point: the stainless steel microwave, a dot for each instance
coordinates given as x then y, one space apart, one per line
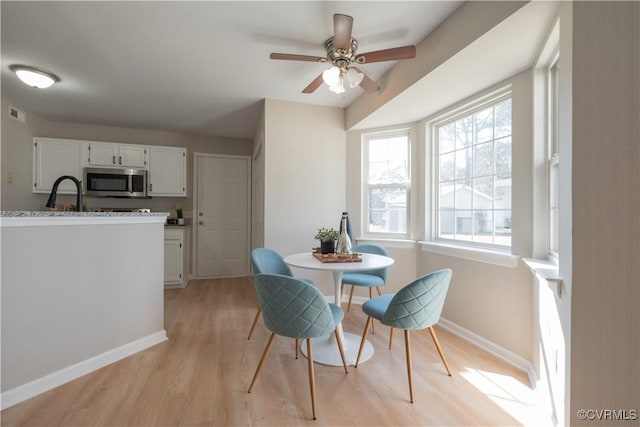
108 182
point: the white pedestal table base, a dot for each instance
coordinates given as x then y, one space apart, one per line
325 349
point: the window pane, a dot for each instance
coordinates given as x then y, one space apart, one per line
483 193
464 225
483 159
483 226
502 198
389 160
503 158
464 132
447 195
447 224
484 125
463 163
462 196
445 167
503 118
388 210
502 220
446 136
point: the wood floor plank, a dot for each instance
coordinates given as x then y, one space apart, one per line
200 377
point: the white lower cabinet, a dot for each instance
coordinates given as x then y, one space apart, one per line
175 257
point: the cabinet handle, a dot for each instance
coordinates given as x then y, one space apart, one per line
201 223
114 160
150 187
200 213
120 159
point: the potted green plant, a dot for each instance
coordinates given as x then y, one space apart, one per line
180 217
327 237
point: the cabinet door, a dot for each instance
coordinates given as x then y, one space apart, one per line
167 171
173 262
54 158
103 154
132 156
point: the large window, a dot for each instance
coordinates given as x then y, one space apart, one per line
553 158
473 175
387 183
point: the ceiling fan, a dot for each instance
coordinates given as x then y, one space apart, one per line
342 54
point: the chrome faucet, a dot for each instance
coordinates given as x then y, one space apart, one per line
52 197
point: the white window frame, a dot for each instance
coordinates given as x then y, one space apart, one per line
365 138
449 116
553 158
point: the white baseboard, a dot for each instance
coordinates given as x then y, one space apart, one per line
500 352
70 373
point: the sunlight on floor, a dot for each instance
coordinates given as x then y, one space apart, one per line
515 398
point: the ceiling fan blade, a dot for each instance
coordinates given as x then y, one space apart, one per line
315 84
293 57
342 26
367 83
404 52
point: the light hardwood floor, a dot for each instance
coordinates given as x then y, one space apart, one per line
201 376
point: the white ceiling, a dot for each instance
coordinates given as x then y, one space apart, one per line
196 67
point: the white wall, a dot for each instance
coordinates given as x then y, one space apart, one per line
605 286
67 299
17 152
304 155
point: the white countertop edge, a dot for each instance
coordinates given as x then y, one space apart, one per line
47 221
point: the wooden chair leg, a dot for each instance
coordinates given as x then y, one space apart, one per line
437 343
379 291
390 338
341 291
407 343
262 359
255 320
364 339
297 345
373 323
312 379
350 296
344 360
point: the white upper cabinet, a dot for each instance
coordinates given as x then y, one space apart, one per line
53 158
167 171
116 155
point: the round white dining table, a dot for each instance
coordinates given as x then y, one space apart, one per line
325 349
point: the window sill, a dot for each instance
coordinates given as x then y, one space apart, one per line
502 259
547 271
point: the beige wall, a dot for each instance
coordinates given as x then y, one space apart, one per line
605 298
17 152
304 149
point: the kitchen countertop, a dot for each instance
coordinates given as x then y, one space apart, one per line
78 214
62 218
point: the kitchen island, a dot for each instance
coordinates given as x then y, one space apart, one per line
80 290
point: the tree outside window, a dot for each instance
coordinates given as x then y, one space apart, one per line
474 164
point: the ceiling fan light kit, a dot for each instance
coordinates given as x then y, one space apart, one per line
34 77
341 54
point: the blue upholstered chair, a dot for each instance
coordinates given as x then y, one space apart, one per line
416 306
292 308
265 260
371 279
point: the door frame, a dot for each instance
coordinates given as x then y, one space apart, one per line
194 240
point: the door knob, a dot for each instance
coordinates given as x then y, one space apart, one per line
200 214
201 223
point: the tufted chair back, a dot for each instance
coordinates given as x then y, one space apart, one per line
292 308
419 304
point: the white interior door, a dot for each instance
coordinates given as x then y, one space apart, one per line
222 215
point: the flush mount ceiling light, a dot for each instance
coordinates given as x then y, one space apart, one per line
34 77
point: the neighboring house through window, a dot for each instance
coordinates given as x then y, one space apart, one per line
387 182
472 194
